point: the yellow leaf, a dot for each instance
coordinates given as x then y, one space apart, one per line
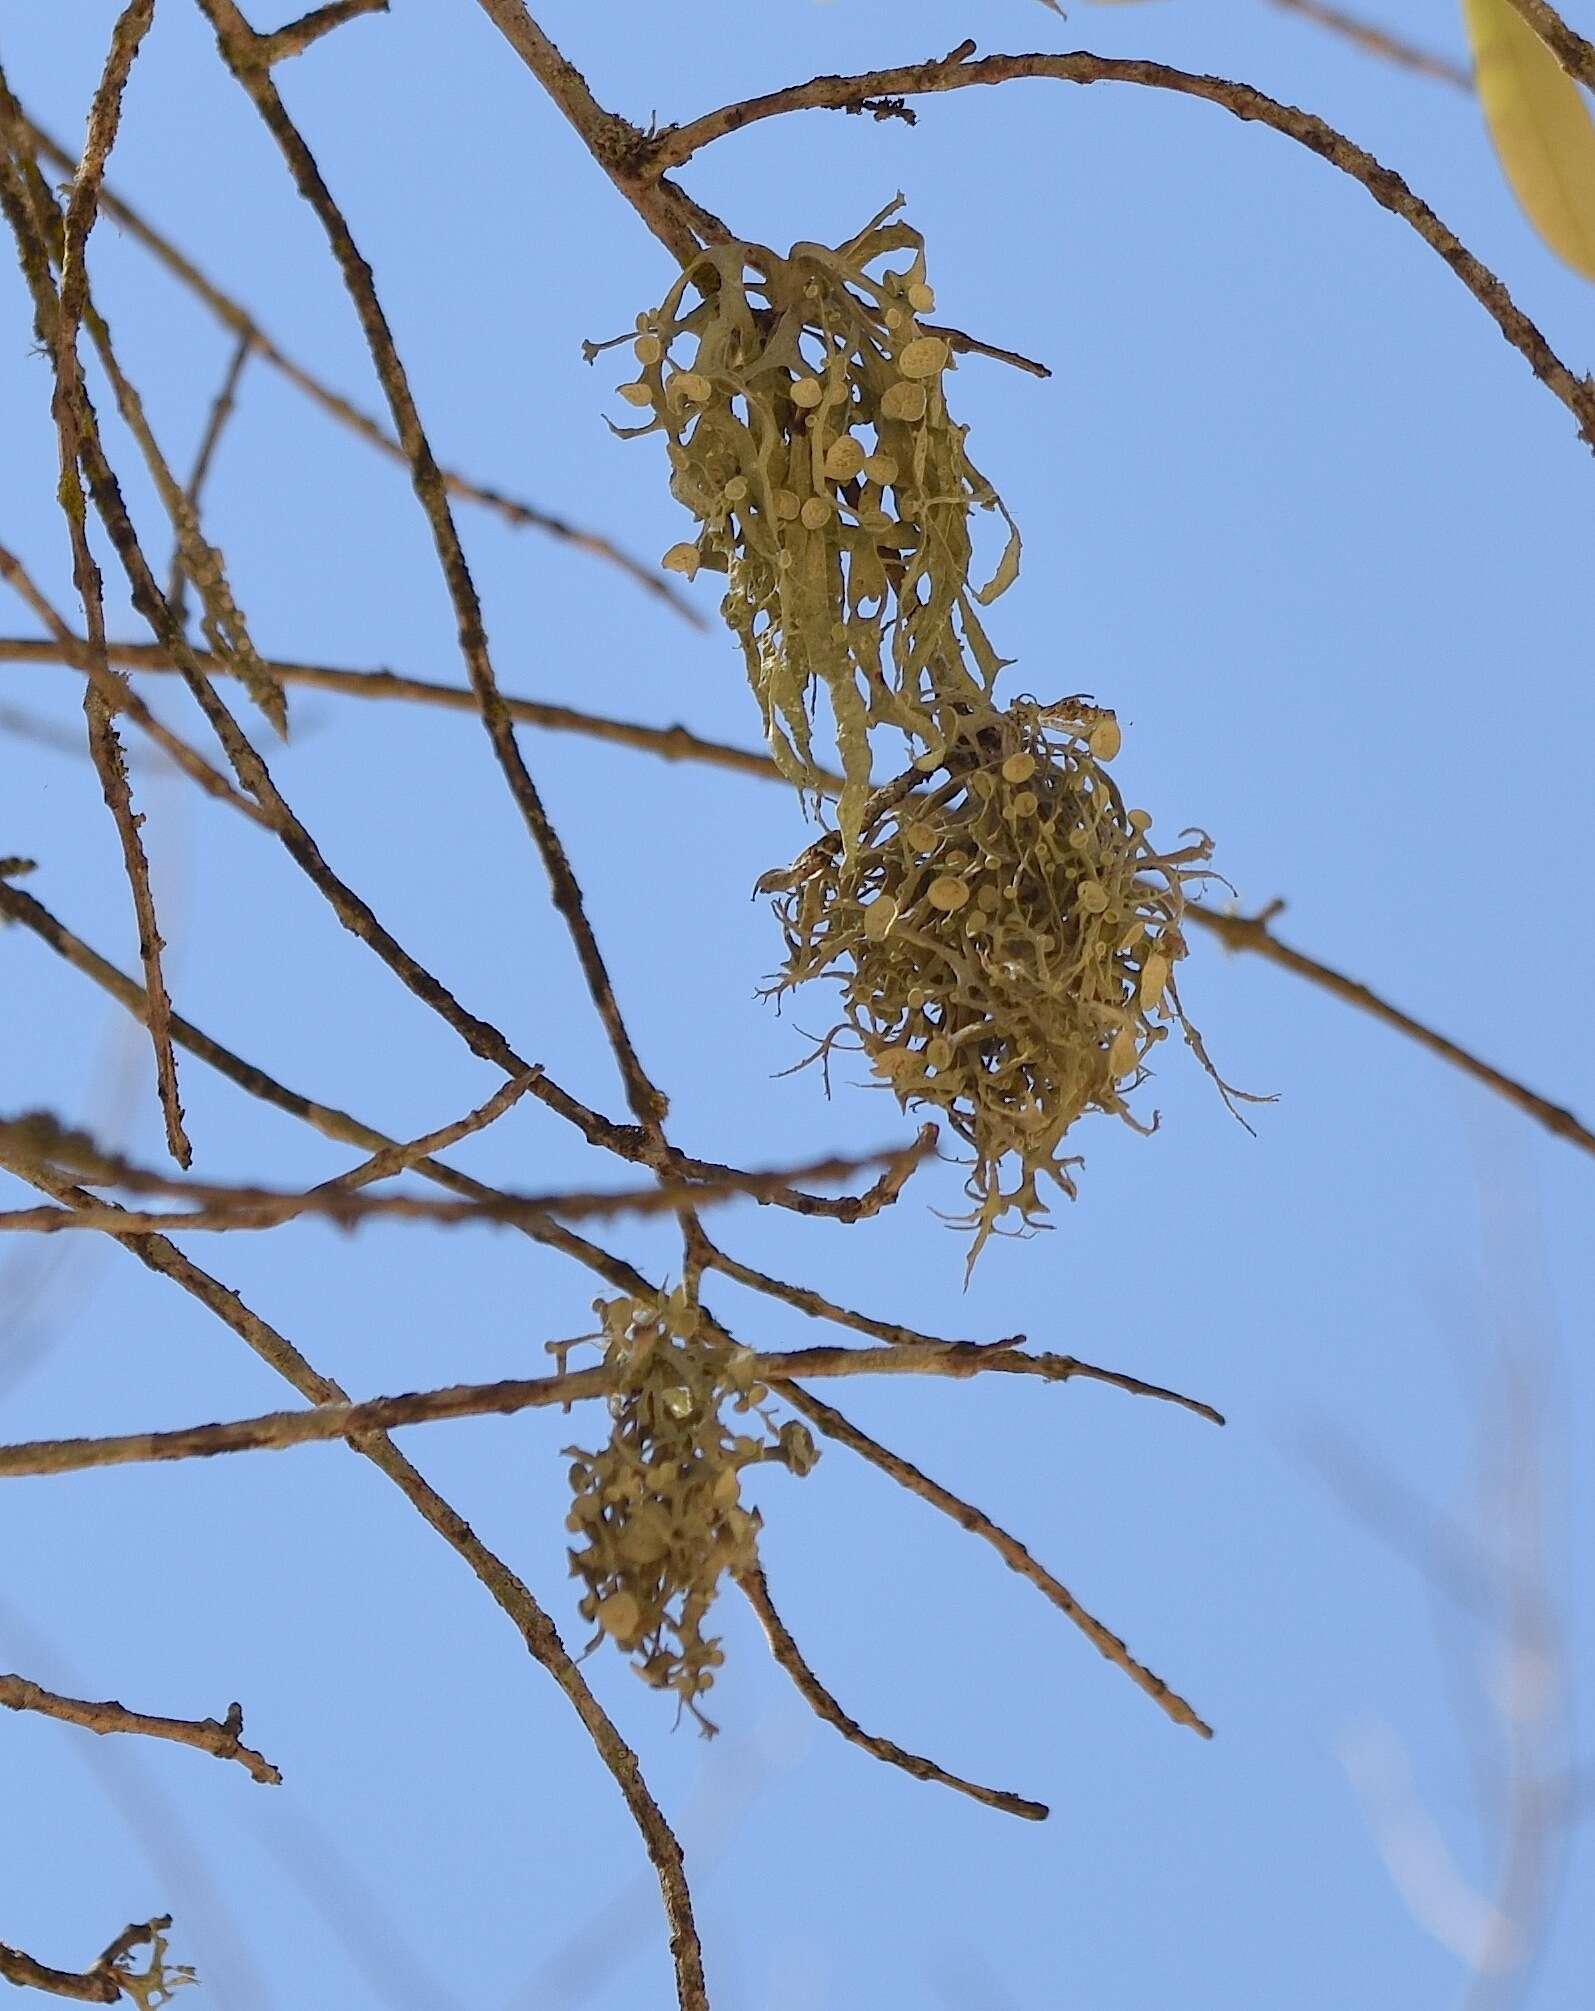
1541 128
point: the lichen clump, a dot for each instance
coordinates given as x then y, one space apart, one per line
1005 937
659 1510
803 408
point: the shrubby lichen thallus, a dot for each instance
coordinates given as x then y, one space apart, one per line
658 1511
1005 936
802 405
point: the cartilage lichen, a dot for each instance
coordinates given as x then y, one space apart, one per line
803 406
1004 937
659 1509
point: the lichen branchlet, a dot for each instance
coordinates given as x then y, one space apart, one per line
1004 937
658 1511
802 403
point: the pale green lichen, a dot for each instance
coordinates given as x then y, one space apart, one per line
802 403
1004 936
659 1508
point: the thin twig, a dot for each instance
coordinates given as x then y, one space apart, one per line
674 743
73 650
222 408
325 1118
1377 42
670 743
222 1737
236 317
1012 1552
644 1144
971 345
100 1985
680 143
233 39
1252 933
297 36
755 1588
58 318
512 1596
223 1209
895 1334
280 1431
1571 50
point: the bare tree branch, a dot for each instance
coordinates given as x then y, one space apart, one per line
233 38
222 408
279 1431
231 314
755 1587
1571 50
512 1596
222 1737
670 743
229 1208
58 318
680 143
623 152
297 36
1012 1552
75 652
1252 933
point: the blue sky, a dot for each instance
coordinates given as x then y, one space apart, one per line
1296 511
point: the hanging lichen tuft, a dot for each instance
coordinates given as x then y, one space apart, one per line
659 1509
803 407
1005 936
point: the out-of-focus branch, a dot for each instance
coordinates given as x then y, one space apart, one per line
223 405
223 1209
222 1737
1379 42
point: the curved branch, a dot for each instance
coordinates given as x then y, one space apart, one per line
221 1737
1386 187
756 1590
